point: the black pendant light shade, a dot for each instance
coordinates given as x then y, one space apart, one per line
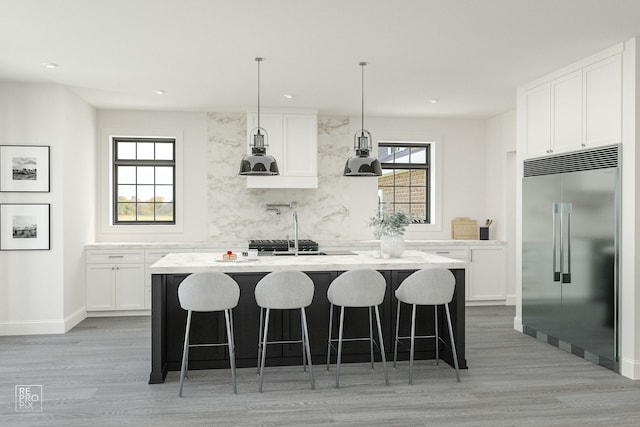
259 162
362 164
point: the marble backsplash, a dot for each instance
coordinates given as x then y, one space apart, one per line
339 209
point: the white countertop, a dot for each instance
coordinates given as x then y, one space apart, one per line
324 245
193 262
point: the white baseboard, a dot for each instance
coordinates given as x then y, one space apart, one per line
484 303
115 313
517 324
74 318
42 327
630 368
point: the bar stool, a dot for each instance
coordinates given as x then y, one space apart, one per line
284 290
357 288
208 292
429 286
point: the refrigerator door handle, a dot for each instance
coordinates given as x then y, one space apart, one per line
566 272
554 217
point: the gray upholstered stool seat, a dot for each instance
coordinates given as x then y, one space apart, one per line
429 286
208 292
356 288
284 290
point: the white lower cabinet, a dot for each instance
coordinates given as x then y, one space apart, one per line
487 274
115 280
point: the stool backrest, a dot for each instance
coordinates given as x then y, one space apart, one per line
284 290
429 286
208 291
357 288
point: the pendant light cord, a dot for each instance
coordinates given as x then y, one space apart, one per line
362 64
258 60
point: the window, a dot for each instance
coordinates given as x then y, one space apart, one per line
405 182
143 181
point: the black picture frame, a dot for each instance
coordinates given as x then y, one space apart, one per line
25 168
25 226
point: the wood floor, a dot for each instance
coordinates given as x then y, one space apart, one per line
96 375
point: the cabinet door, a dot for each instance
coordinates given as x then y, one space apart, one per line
538 120
566 106
603 102
301 146
101 289
488 274
129 285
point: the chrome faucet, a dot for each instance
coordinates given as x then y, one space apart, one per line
276 207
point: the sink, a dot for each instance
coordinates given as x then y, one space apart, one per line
300 253
313 253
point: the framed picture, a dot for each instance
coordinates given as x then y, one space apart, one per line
24 227
24 168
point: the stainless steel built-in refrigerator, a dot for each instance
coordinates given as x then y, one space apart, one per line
570 252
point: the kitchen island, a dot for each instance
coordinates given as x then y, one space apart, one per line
168 318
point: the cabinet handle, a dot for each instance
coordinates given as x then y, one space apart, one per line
442 252
116 256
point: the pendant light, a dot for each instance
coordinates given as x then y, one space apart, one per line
362 164
258 162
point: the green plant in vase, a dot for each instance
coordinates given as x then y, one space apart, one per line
390 229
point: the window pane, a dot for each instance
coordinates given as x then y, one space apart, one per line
145 150
145 174
402 195
418 155
418 195
126 174
164 211
402 177
418 177
126 212
164 151
402 155
387 194
145 211
164 193
145 193
403 207
164 175
126 193
126 150
418 212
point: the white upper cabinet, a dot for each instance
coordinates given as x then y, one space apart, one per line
574 108
538 120
603 102
566 112
293 142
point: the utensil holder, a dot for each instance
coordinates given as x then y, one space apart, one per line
484 233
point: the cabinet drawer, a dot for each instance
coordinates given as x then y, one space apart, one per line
455 253
153 255
115 256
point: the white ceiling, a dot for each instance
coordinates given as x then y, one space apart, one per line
471 54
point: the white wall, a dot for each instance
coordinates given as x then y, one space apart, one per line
42 291
190 131
500 187
340 208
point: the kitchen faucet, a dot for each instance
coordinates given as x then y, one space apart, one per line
276 207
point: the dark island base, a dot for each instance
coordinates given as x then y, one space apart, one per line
169 320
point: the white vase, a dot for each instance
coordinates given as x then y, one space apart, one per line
392 245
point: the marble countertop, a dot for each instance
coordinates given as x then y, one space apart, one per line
324 245
193 262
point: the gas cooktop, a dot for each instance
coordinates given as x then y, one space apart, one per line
282 245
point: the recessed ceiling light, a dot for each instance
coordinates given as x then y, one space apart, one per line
289 96
159 91
50 65
434 100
